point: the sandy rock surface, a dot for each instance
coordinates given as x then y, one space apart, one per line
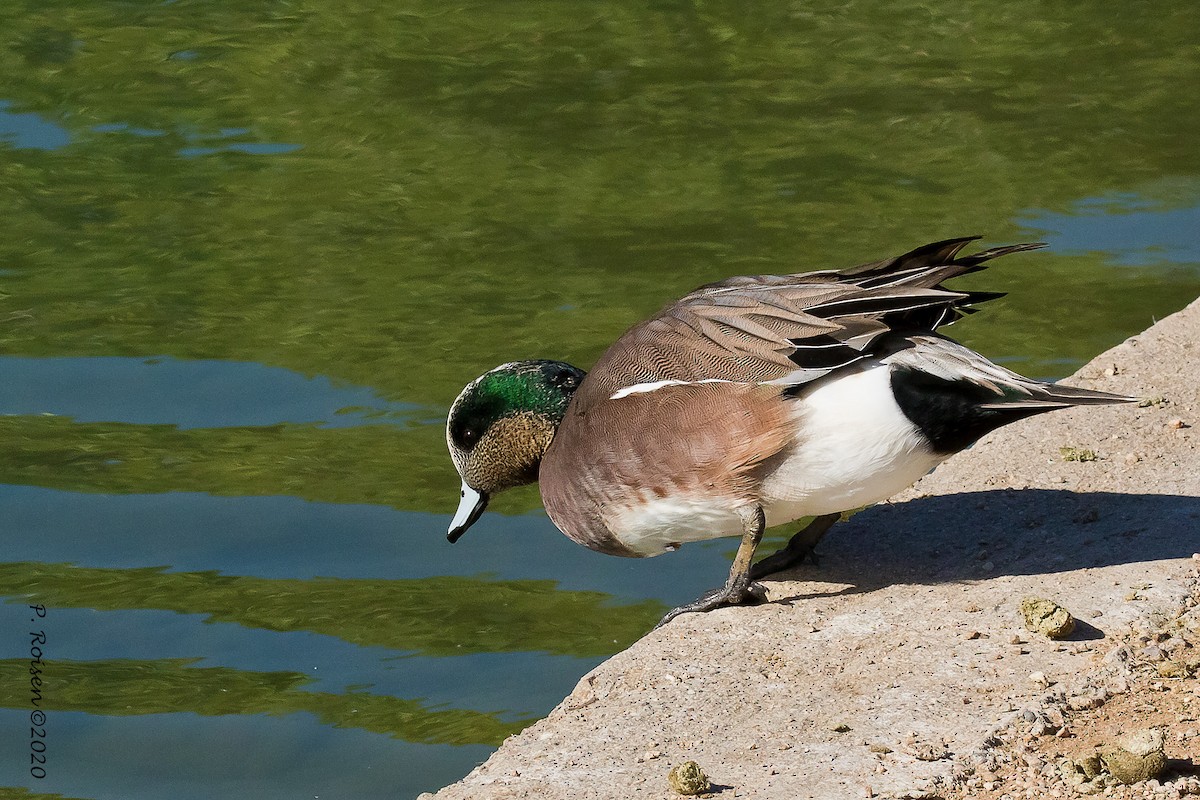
900 665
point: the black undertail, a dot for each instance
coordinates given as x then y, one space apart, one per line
953 414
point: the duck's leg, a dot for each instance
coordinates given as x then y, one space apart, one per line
798 548
737 589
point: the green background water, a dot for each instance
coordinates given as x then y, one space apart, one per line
251 251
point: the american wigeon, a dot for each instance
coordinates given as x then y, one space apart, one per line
749 402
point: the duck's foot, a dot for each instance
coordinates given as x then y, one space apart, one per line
746 594
798 548
739 589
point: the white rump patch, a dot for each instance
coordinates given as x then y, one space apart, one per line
643 388
855 447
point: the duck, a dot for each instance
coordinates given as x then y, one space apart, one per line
748 403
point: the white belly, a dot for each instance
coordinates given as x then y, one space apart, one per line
855 448
659 525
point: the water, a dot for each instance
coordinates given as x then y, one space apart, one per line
251 252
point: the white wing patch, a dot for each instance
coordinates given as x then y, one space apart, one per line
643 388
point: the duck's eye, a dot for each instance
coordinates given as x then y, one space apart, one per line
469 436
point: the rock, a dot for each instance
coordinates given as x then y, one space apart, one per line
1151 653
688 779
1137 757
1083 776
929 751
1077 454
1090 765
1174 643
1173 669
1085 701
1047 618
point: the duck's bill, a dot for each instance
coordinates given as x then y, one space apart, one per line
470 508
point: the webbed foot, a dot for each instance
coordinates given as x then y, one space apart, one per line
747 593
739 589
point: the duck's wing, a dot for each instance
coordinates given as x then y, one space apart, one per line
792 329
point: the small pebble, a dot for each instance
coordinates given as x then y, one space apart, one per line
1077 454
1152 653
1047 618
688 779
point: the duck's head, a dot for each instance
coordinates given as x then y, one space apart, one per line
500 427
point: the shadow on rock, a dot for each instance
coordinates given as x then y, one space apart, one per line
977 535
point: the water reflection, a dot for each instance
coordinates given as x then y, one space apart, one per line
184 756
437 616
128 687
202 393
29 131
1127 228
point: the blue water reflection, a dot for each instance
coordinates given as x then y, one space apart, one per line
249 148
1129 228
30 131
330 663
203 393
203 144
287 537
191 757
290 538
